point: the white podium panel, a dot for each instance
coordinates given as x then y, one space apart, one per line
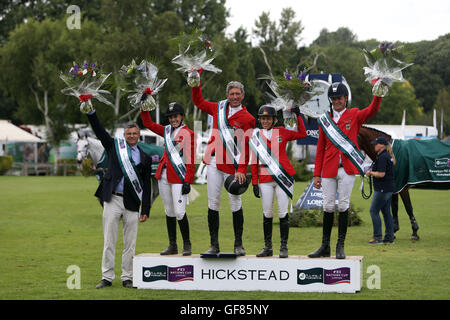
248 273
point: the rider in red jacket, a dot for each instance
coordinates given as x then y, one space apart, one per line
333 171
172 188
275 138
219 164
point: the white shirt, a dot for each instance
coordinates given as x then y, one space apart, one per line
267 133
175 131
232 111
136 156
337 115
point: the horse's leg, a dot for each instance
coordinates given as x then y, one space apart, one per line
409 209
394 209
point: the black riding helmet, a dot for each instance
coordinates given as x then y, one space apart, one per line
269 112
174 108
234 187
337 89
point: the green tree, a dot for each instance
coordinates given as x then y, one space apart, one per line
342 36
31 60
400 97
442 106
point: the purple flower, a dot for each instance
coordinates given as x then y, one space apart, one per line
302 76
85 64
287 75
93 65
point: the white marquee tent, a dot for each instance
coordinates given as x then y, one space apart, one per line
12 133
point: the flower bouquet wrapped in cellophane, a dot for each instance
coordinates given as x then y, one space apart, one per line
384 66
290 90
195 53
144 82
84 83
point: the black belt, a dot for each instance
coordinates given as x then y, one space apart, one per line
120 194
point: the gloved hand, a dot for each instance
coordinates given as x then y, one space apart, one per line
186 188
256 191
296 110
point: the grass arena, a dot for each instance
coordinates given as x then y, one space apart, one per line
51 225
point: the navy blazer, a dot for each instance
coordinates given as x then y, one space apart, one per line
114 173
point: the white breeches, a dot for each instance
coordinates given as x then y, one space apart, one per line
174 202
268 191
343 185
215 179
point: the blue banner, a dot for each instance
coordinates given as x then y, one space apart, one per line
312 130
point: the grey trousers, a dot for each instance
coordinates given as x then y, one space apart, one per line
113 212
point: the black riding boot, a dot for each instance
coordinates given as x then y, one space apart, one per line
213 225
342 232
267 251
324 250
184 228
284 235
171 223
238 227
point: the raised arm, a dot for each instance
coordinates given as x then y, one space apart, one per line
201 103
104 137
153 126
300 133
370 111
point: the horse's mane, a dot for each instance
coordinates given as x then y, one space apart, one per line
376 130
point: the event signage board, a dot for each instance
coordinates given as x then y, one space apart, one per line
312 198
248 273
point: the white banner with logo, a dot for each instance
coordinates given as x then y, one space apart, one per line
294 274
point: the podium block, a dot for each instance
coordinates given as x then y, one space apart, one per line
248 273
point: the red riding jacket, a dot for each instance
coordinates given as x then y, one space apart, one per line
327 154
277 145
185 140
242 120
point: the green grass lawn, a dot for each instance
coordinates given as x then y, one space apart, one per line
50 223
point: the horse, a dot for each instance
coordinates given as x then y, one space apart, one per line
89 147
365 137
93 148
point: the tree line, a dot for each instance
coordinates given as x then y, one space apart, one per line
36 45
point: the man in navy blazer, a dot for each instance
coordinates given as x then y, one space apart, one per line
120 197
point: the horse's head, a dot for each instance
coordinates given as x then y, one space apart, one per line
365 136
82 148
